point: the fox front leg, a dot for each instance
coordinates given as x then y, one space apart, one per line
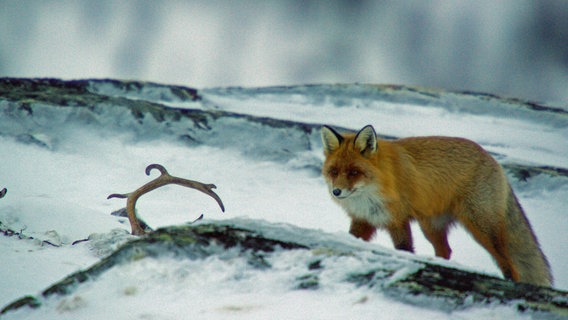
362 229
401 236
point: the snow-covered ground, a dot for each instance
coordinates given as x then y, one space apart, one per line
57 189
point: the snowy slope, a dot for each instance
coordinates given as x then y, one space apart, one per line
261 148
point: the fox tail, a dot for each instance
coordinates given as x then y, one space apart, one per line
531 264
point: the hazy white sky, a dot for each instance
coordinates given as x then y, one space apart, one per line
511 47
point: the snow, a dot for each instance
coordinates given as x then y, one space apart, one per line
217 288
495 129
57 192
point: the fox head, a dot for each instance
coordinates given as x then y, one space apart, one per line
348 168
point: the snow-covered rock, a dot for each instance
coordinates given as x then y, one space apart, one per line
66 145
287 259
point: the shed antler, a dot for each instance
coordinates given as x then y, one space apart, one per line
164 179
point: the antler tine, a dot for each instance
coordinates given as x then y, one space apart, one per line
205 188
156 166
164 179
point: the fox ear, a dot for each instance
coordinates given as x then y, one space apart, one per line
331 139
366 140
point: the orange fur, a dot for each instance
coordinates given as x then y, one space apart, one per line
436 181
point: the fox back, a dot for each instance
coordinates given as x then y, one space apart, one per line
436 181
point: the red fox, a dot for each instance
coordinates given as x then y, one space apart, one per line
436 181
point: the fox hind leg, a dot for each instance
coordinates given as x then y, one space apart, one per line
493 238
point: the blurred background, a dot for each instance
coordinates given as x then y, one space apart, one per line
515 48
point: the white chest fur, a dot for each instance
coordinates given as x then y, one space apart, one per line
367 204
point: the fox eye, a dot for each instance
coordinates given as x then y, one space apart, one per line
333 172
353 172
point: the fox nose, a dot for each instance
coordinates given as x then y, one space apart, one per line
336 192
